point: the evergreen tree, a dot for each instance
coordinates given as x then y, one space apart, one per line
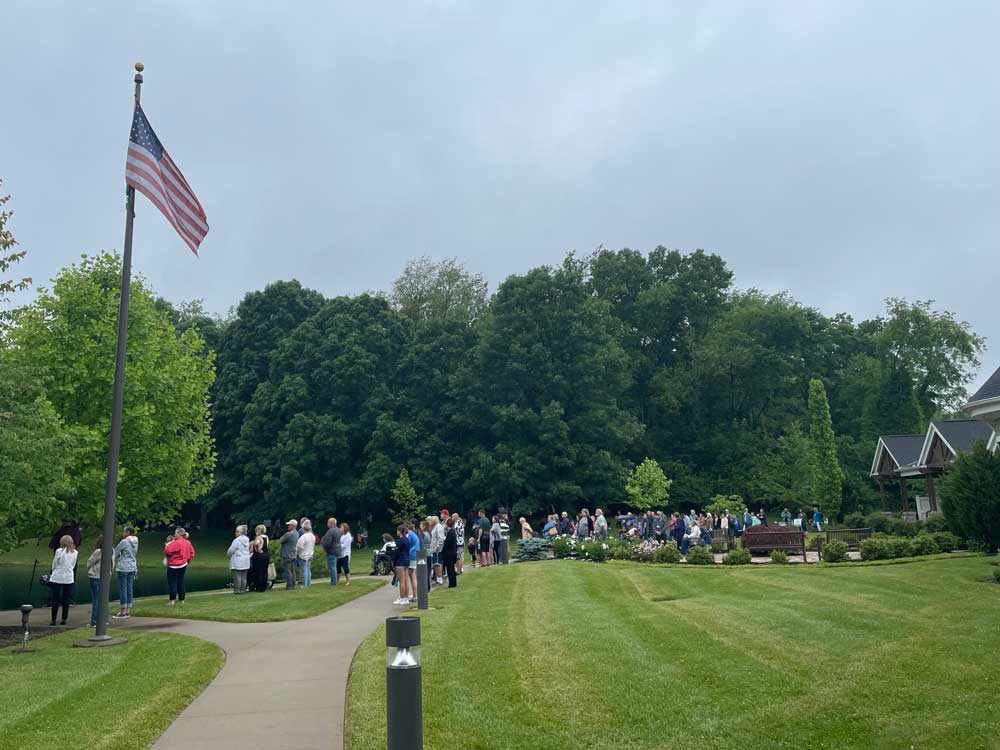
828 477
406 502
970 496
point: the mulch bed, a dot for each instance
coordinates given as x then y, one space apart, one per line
11 636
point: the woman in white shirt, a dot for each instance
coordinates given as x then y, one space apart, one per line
239 560
304 551
61 578
344 561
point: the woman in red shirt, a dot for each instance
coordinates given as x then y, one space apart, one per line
178 554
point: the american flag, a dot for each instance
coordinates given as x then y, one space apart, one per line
151 171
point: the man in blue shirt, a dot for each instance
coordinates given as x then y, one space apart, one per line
817 519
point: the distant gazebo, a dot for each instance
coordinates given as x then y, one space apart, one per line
902 457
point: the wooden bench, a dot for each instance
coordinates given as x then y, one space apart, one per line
763 539
721 538
853 537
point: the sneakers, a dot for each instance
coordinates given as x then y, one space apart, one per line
402 602
440 581
398 601
120 616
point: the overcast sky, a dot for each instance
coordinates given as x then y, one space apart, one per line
843 151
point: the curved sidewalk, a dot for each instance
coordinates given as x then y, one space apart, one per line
283 684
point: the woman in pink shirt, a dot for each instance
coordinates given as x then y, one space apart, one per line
178 554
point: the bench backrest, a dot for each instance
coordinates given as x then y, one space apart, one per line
783 537
853 537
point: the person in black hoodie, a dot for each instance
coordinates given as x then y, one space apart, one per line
449 552
402 564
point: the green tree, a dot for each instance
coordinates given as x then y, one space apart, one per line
36 454
68 337
407 504
8 258
970 496
938 350
828 477
647 486
439 291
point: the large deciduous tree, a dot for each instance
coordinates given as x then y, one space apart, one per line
647 486
68 337
443 290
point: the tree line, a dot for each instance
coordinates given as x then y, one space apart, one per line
542 396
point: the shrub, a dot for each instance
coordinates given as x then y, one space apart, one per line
899 527
619 549
536 548
645 550
594 551
878 522
856 520
667 553
835 551
779 557
699 556
900 546
813 541
924 544
946 541
875 547
935 522
563 546
739 555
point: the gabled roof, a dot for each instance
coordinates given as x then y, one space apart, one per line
957 435
989 390
900 449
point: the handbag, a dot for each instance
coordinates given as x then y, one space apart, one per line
44 579
272 573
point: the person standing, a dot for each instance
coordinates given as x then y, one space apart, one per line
402 564
425 545
564 524
239 559
304 549
449 552
289 560
61 578
526 531
817 519
260 559
416 542
459 526
504 539
179 553
437 545
600 525
331 547
495 557
483 538
94 578
126 567
786 516
583 526
344 560
660 527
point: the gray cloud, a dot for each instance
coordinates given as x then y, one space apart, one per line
843 151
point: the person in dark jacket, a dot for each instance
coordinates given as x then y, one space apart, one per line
402 564
678 531
331 546
288 553
564 525
449 552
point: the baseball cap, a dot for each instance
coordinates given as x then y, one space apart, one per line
293 522
444 512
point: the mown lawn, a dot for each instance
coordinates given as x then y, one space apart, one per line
270 606
114 698
566 654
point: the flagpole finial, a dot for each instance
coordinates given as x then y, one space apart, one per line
139 67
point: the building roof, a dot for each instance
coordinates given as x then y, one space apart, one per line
904 449
989 390
960 434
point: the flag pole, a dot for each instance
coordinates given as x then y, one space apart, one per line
101 637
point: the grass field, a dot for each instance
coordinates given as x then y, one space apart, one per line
271 606
118 698
567 654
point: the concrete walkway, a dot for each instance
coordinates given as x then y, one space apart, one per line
283 684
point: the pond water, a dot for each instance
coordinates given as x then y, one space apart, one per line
18 586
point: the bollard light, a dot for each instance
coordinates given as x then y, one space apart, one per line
24 648
423 582
404 702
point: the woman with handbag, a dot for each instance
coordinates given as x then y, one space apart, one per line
260 558
61 578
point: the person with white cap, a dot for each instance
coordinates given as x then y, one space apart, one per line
289 554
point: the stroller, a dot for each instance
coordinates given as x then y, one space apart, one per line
382 561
